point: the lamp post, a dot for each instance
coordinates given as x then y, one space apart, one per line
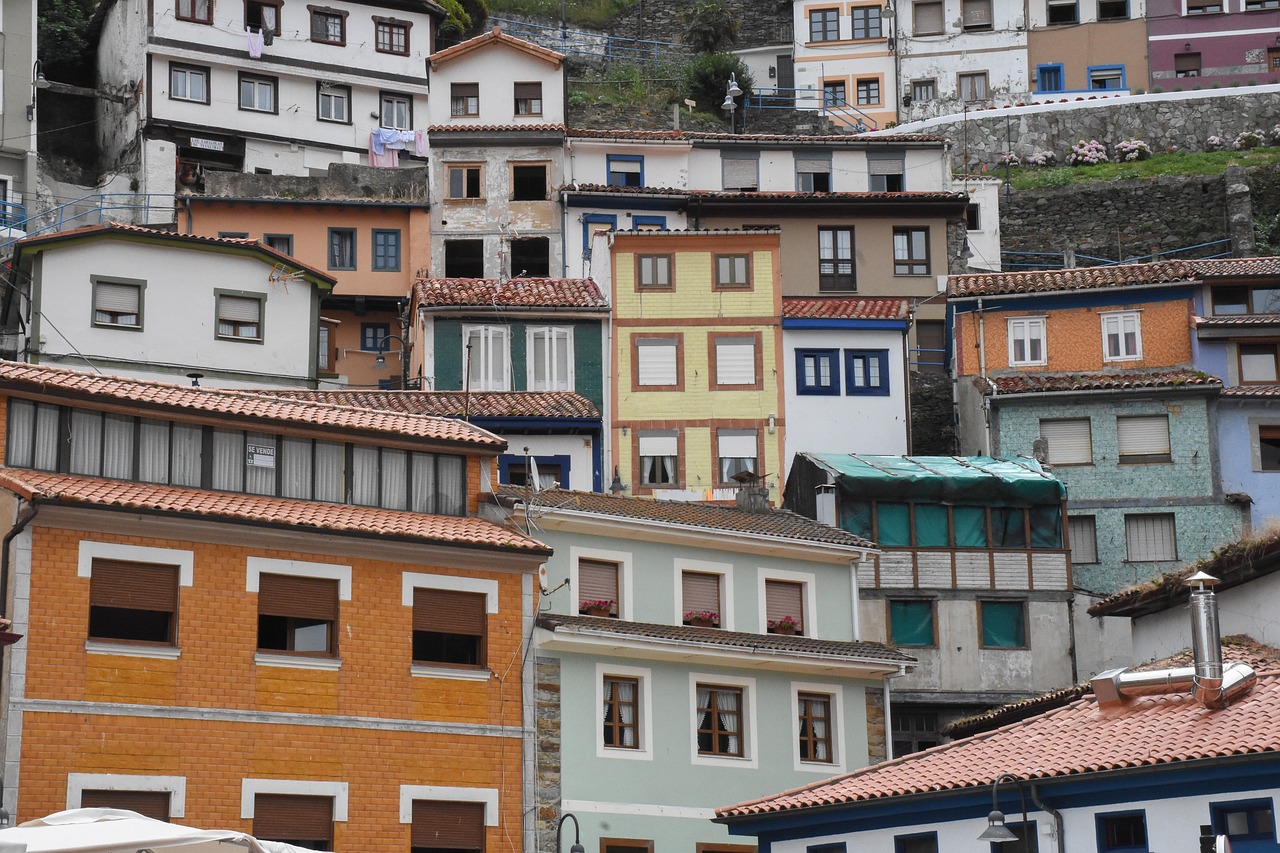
996 831
730 105
38 81
381 361
577 833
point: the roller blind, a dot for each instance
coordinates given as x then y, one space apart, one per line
977 13
1143 436
1069 441
737 443
1151 537
240 309
152 804
892 165
293 817
659 444
122 298
465 90
928 18
736 361
701 591
447 825
597 579
528 90
740 173
656 362
813 165
449 612
784 598
298 597
134 586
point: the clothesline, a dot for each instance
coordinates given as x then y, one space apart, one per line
385 142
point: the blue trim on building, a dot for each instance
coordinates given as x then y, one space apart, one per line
1092 68
506 460
646 221
833 323
590 219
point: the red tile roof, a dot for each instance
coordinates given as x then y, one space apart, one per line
897 198
458 404
1238 320
227 506
496 35
1045 383
1079 278
844 140
579 293
495 128
1079 738
246 405
1232 267
1252 391
845 308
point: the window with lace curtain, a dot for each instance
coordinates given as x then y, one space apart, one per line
815 727
621 727
719 720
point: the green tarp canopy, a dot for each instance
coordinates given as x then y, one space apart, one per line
969 480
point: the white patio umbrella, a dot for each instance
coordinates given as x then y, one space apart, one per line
120 831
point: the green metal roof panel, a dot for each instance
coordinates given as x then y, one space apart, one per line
972 480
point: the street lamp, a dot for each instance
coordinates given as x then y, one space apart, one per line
996 831
38 81
730 105
381 361
577 832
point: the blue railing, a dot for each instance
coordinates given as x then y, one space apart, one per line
133 208
815 100
591 45
1059 258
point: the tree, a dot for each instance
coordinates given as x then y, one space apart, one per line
61 38
710 27
466 19
707 77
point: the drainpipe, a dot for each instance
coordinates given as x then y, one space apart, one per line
1058 828
24 518
854 597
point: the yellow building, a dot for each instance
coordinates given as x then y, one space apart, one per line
696 361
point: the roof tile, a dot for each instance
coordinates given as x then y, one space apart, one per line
1252 391
843 308
1078 278
457 404
1044 383
512 293
857 140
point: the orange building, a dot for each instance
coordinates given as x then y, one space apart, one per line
262 614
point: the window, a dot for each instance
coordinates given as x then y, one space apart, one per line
700 594
1121 336
922 842
818 371
824 25
886 172
913 730
737 453
395 111
465 182
386 249
598 585
1255 5
1107 77
911 623
297 614
528 99
1027 839
1049 78
342 248
659 455
719 728
133 602
1252 822
487 355
328 26
733 271
152 804
973 217
333 103
866 372
1083 530
973 87
464 99
1003 624
258 94
1268 448
911 251
197 11
188 83
530 257
866 22
240 316
449 627
624 170
1236 300
975 15
1150 537
653 272
447 825
374 336
304 821
282 243
813 174
834 93
1143 438
1113 10
868 92
927 18
1026 341
783 605
625 845
740 170
1203 7
464 258
1258 363
924 90
117 303
835 259
391 36
1125 831
1070 441
1063 12
621 703
529 182
815 728
734 362
549 358
263 15
1186 65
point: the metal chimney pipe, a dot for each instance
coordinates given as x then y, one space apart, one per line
1206 639
826 504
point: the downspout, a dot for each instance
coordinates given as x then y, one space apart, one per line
906 368
186 203
608 455
854 598
24 518
982 372
1058 828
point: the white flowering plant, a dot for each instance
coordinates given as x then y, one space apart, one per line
1215 143
1042 158
1129 150
1249 139
1089 153
1010 159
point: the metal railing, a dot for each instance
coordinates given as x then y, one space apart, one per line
133 208
1058 260
599 46
821 101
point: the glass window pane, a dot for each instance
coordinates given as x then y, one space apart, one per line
330 486
424 483
394 482
86 442
364 475
911 623
228 460
186 454
117 447
295 468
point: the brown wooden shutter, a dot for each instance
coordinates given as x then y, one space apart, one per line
449 612
298 597
134 586
597 579
447 824
293 817
784 598
528 90
464 90
701 591
152 804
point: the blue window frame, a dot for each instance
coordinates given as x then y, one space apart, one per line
818 371
591 223
1049 78
625 170
1249 824
640 222
1122 831
917 842
374 336
513 469
866 372
386 249
342 248
1105 77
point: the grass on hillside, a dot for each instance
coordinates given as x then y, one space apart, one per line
591 13
1176 163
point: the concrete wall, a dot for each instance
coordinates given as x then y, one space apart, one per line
1246 609
1081 47
1238 421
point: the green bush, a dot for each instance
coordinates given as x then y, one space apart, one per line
707 77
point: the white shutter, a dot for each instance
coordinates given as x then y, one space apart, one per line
740 173
817 167
664 443
239 309
1150 537
119 298
1147 435
656 362
928 17
1069 441
736 361
737 443
882 165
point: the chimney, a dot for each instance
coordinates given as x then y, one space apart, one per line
752 498
826 504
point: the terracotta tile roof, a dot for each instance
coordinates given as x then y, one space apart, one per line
870 652
845 308
513 293
897 198
844 140
457 404
1252 391
495 128
228 506
605 189
1231 267
1044 383
1079 278
217 402
777 523
1075 739
1238 320
1232 564
496 35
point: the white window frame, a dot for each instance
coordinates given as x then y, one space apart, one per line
1114 321
175 786
487 796
748 717
250 788
256 567
644 712
395 103
1063 423
809 582
90 550
187 72
730 345
258 86
837 763
724 570
557 337
332 96
1024 329
1166 556
622 558
487 334
409 581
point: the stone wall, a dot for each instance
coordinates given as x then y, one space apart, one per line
546 795
762 22
876 726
